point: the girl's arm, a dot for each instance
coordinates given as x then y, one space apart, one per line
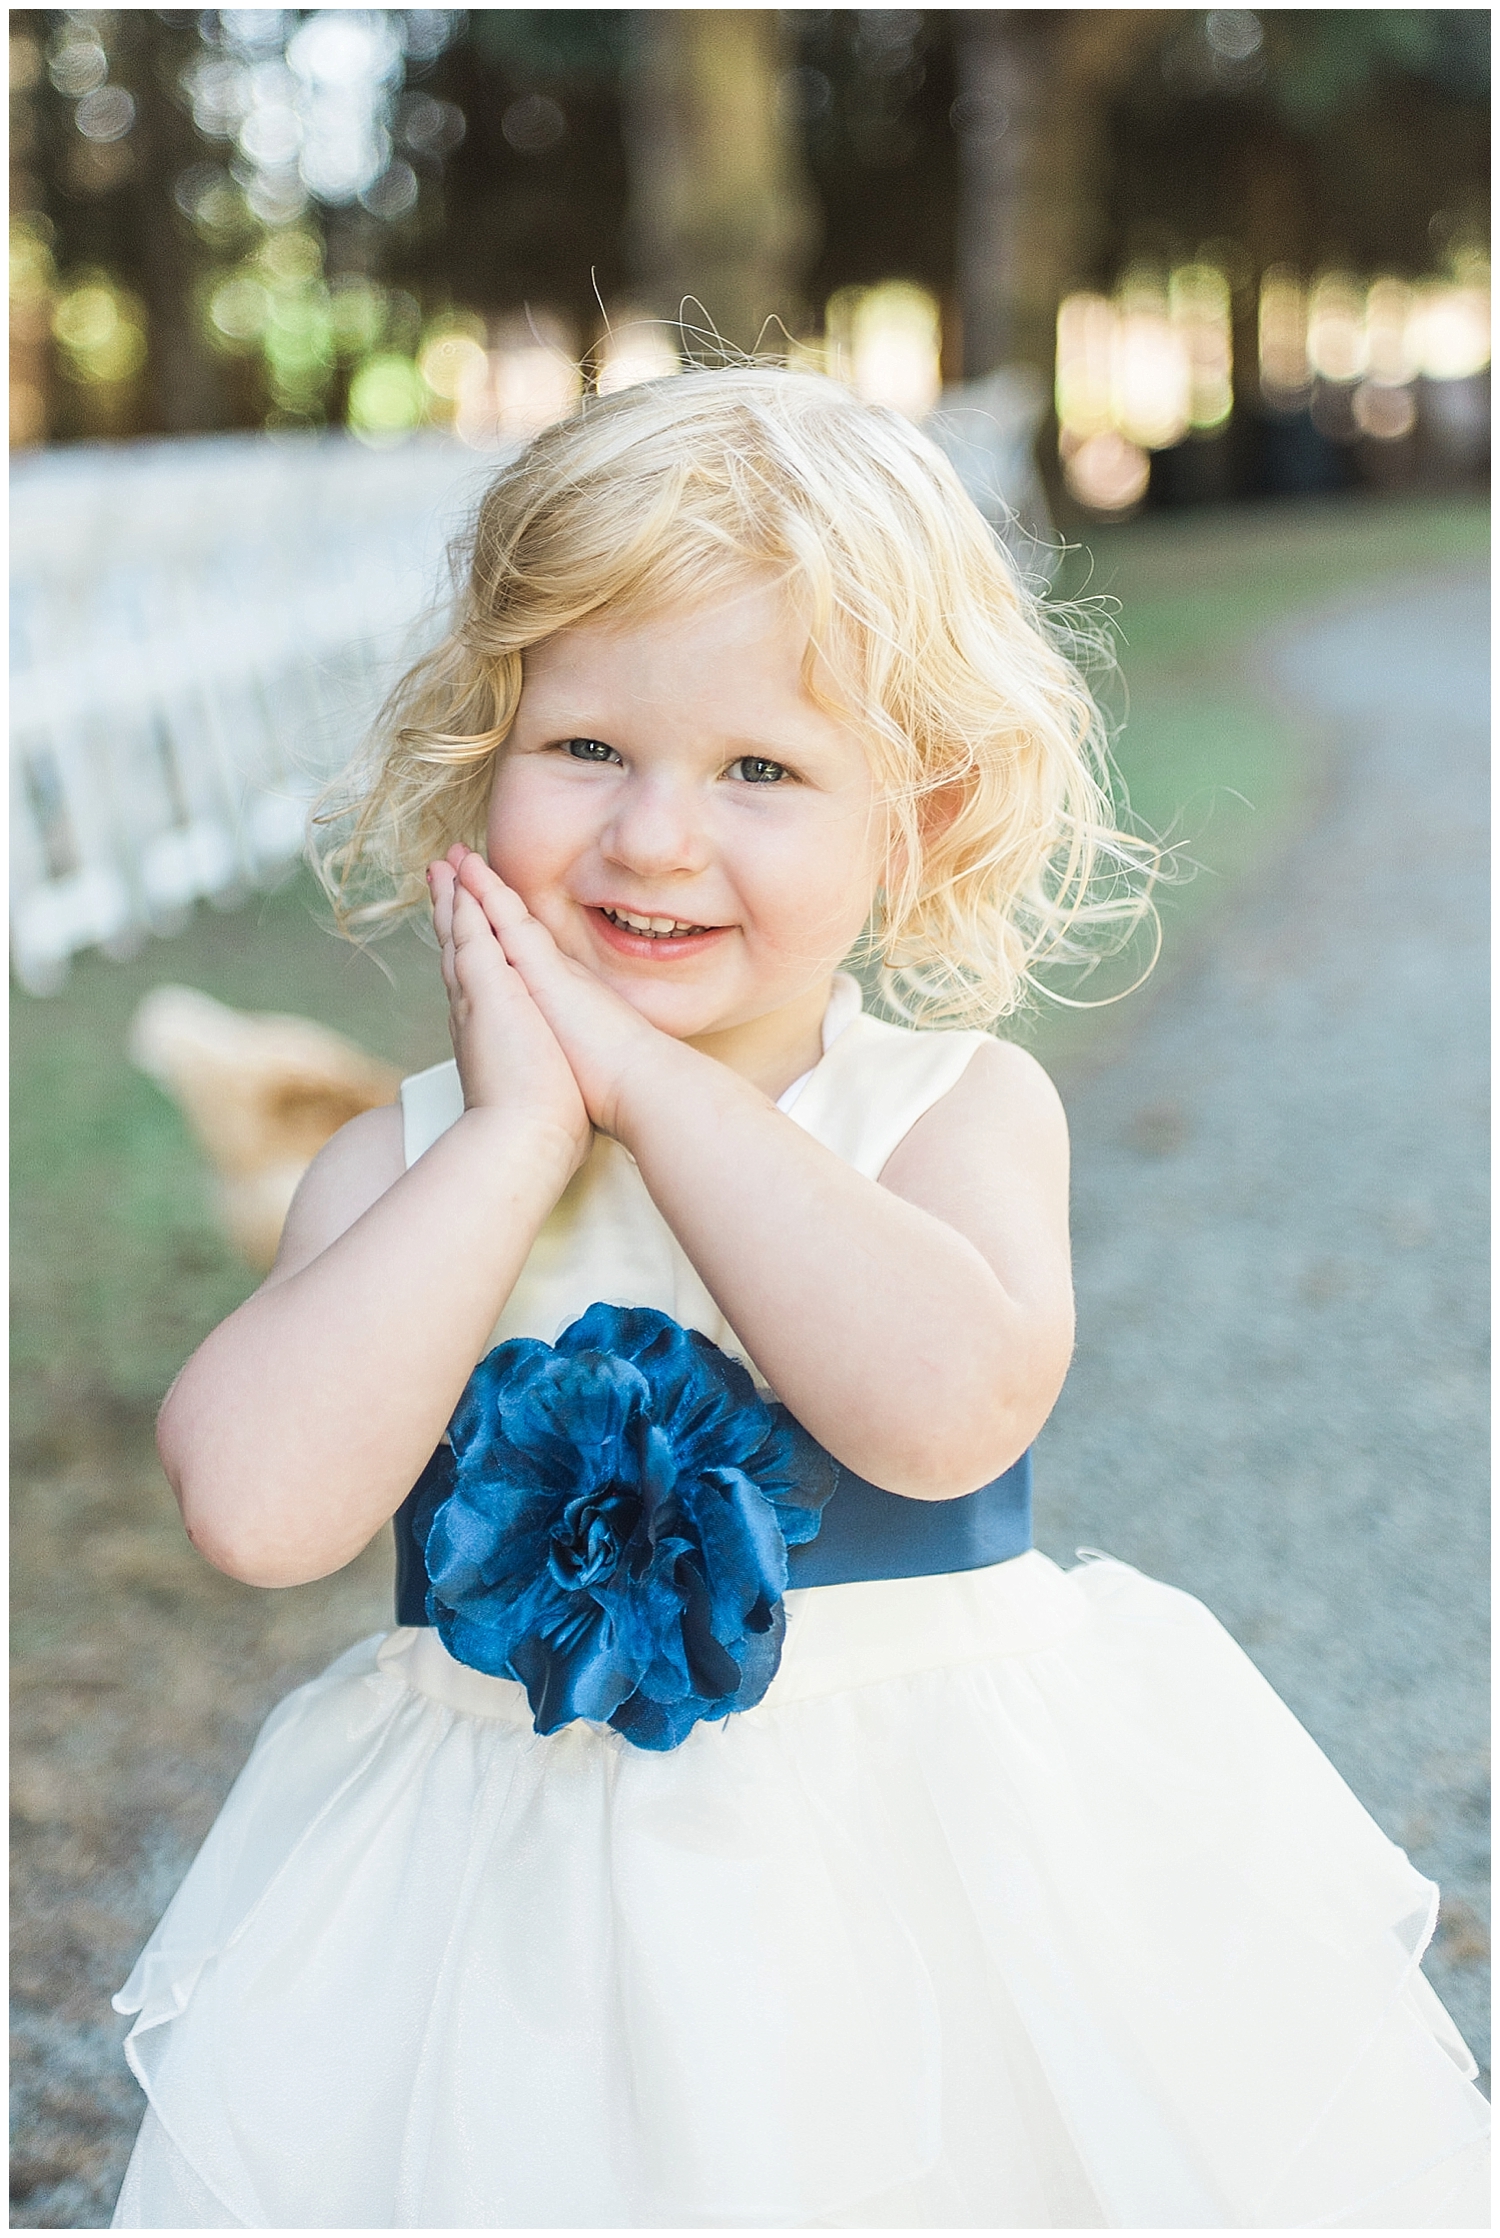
920 1326
300 1424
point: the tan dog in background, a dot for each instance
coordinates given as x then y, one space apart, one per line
261 1092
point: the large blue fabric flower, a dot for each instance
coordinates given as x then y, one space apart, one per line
609 1525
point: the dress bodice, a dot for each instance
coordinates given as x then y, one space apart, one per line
606 1241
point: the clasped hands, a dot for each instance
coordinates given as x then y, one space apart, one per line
534 1033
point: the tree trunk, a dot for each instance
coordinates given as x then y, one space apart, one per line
722 225
1034 88
1002 71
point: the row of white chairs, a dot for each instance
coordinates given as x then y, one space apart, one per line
201 631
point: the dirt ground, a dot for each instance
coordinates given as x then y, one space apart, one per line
141 1675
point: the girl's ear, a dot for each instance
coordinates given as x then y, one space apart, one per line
935 811
938 809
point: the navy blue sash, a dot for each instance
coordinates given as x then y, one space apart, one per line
865 1534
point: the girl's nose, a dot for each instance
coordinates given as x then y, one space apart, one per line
658 829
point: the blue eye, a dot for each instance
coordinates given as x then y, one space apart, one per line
590 750
756 770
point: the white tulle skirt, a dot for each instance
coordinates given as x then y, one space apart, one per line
1020 1902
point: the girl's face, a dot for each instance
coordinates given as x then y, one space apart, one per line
684 819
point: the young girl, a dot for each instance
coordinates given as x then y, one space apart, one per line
743 1826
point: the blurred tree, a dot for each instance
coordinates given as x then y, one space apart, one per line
720 208
530 209
183 262
1032 121
1302 136
107 138
872 91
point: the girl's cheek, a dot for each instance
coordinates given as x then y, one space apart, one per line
516 835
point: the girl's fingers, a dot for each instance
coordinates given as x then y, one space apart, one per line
531 949
440 886
500 903
524 942
440 883
471 927
525 939
464 934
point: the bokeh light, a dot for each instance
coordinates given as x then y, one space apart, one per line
105 114
1106 472
1337 347
886 343
1282 333
530 378
534 124
100 331
360 313
1386 412
1452 338
452 361
387 398
1198 303
1138 372
633 349
310 106
1390 331
1085 364
76 60
1368 345
1151 385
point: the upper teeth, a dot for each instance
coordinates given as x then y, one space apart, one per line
651 924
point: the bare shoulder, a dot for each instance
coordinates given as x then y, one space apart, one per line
991 1159
1004 1080
365 1158
1003 1109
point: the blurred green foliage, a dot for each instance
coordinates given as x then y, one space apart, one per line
552 43
1325 59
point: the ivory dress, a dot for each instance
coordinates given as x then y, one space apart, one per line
1019 1901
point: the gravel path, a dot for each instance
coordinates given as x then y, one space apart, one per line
1279 1399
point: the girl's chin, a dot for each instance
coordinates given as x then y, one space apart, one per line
685 1008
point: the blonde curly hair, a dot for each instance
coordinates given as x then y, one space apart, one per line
983 734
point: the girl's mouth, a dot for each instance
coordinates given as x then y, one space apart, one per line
635 933
655 928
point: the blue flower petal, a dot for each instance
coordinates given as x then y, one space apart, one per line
714 1673
744 1546
586 1676
611 1524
